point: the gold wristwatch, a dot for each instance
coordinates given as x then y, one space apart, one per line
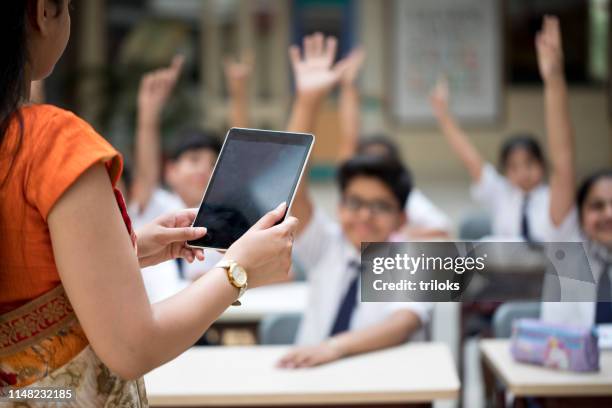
237 276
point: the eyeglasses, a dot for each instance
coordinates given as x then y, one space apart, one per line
376 207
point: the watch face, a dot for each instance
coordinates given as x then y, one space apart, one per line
239 275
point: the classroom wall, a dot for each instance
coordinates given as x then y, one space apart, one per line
432 159
424 148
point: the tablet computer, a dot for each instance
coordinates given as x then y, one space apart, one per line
256 171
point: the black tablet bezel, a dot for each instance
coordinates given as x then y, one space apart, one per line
257 135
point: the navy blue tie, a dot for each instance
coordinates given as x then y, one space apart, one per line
525 233
603 312
180 264
347 307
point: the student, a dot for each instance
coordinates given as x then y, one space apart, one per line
518 200
374 191
586 216
186 173
73 309
426 220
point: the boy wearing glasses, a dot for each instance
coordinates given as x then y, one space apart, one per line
374 191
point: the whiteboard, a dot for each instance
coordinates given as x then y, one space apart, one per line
458 39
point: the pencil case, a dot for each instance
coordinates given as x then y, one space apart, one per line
559 346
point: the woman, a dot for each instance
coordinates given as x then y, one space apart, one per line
73 309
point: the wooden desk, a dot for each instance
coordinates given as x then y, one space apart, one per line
555 388
256 304
247 376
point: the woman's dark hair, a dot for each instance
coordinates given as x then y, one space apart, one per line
379 140
390 172
521 141
14 51
586 186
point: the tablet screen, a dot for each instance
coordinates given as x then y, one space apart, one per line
256 171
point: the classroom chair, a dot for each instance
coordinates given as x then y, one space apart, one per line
475 225
279 328
508 312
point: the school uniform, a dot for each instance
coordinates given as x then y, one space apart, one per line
600 261
331 264
514 213
423 213
167 278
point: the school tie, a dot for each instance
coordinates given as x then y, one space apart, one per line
603 311
525 233
180 264
347 306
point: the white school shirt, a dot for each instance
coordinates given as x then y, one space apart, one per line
423 213
504 202
324 253
576 313
163 280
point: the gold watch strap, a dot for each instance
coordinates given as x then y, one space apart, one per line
227 265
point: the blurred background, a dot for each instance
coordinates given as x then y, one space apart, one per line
486 46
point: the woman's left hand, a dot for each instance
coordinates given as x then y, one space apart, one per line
164 238
310 356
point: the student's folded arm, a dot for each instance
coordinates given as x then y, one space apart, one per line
100 273
394 330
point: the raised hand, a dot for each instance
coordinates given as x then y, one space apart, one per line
549 49
315 72
238 72
439 97
155 89
352 65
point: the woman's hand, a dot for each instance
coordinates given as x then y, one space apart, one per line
265 249
310 356
164 238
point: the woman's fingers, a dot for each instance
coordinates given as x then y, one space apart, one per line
170 235
271 218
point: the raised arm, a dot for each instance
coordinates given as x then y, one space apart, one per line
315 75
558 122
237 78
155 89
350 118
455 136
